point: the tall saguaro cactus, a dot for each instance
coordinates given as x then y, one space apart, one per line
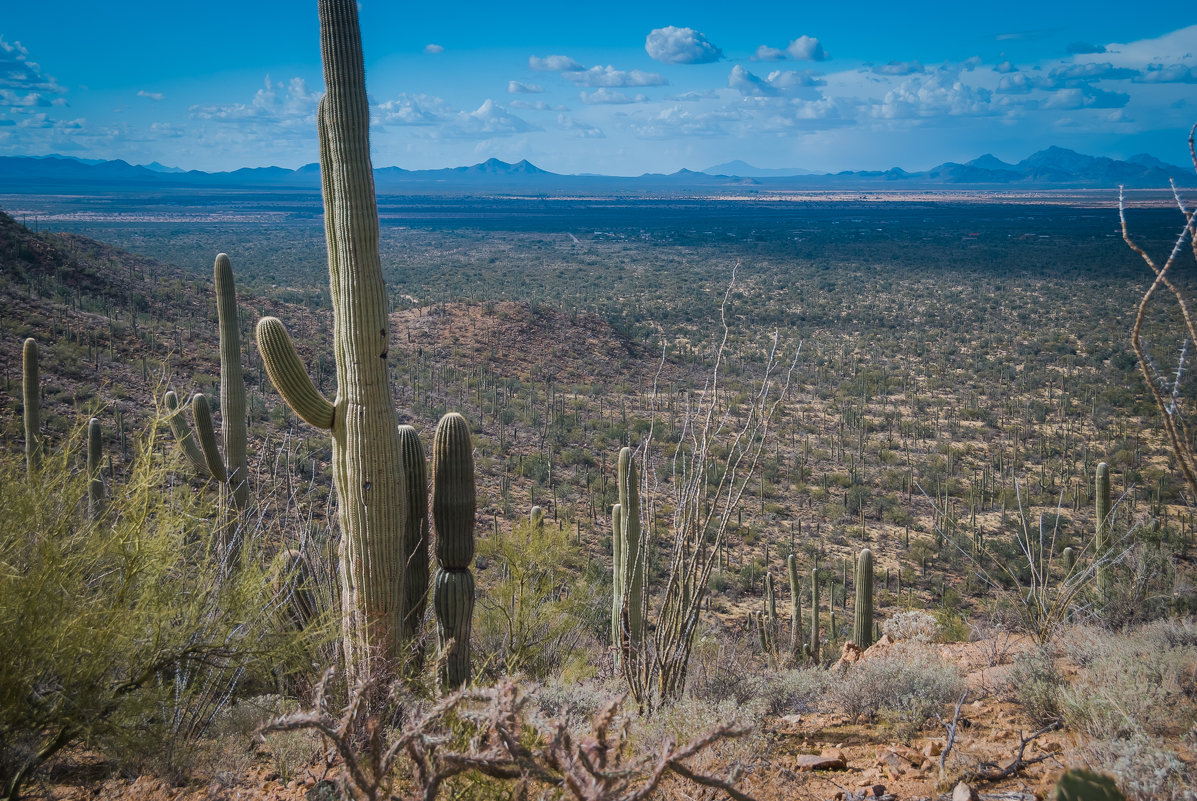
631 560
814 611
453 508
230 469
616 576
862 624
31 397
1101 541
367 452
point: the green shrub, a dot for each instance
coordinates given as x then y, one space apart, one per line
1035 684
122 632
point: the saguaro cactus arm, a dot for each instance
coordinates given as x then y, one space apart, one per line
182 432
201 413
232 385
288 375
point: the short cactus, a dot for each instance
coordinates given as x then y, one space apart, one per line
795 606
95 484
453 509
1069 560
32 399
862 629
632 557
536 516
415 540
1101 541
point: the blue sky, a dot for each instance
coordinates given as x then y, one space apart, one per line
614 88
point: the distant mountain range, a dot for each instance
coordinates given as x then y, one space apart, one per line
1053 168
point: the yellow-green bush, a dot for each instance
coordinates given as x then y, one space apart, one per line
122 633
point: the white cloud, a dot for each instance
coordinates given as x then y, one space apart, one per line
899 68
438 120
806 48
150 95
521 88
766 53
673 45
291 106
1173 73
609 97
553 64
610 77
748 84
1005 67
578 129
433 49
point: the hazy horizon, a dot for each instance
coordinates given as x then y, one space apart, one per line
630 89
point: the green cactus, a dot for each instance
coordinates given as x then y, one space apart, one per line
771 611
367 459
230 470
632 562
295 583
814 611
616 577
415 542
1069 560
795 606
32 399
95 485
1084 785
453 509
1101 541
862 629
536 516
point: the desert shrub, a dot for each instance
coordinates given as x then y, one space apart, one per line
125 632
1034 684
719 667
1142 589
904 688
790 692
1145 769
913 625
535 617
1137 683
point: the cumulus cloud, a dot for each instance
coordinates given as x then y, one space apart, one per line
748 84
1091 71
290 106
1085 97
1005 67
804 48
150 95
23 84
1084 48
610 97
578 129
521 88
673 45
1018 83
899 68
553 64
610 77
1173 73
778 82
438 120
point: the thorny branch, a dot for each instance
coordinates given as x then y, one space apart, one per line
503 744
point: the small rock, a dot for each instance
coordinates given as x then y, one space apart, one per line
964 793
791 720
878 790
933 748
805 762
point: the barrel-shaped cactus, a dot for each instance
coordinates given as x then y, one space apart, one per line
1101 541
415 541
1069 557
632 580
536 516
31 397
367 459
95 484
862 629
453 508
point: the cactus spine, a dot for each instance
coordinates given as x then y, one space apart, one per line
367 457
95 485
632 557
32 400
862 632
795 607
415 541
1101 541
453 507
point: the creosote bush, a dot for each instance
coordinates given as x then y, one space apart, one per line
121 632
